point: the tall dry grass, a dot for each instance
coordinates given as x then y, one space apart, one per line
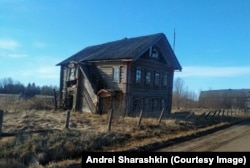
40 135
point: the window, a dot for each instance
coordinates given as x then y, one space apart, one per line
157 78
136 104
148 78
116 74
72 73
156 104
138 75
150 104
165 79
153 53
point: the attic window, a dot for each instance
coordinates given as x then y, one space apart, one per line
153 53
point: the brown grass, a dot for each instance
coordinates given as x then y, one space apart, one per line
40 134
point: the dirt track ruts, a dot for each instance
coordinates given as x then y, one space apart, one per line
232 139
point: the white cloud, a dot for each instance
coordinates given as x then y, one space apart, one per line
9 44
208 71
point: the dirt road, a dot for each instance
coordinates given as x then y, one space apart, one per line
232 139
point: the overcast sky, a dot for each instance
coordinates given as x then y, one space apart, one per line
212 36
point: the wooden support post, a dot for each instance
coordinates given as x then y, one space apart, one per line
140 117
162 112
67 119
1 122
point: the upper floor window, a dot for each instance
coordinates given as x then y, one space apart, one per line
138 76
116 74
148 78
157 78
165 79
72 73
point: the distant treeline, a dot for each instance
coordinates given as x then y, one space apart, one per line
9 86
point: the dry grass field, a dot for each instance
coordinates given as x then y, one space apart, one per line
34 135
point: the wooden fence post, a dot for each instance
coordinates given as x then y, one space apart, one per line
67 119
55 99
207 115
1 122
110 119
140 117
162 112
111 115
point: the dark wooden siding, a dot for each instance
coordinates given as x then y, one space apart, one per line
150 97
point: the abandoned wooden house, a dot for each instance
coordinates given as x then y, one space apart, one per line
128 75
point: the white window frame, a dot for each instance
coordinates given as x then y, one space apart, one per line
116 74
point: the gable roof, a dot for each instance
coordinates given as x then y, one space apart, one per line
124 49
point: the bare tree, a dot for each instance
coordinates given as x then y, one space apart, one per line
178 92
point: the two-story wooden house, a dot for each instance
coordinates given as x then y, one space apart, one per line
128 74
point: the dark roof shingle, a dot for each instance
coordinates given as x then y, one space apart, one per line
127 48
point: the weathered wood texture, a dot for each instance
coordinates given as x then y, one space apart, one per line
152 55
157 96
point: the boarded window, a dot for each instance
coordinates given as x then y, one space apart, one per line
138 76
